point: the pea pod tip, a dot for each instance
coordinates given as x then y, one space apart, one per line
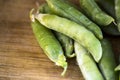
32 17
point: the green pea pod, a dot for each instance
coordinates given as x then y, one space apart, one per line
117 68
108 6
107 63
49 44
63 9
86 63
44 8
111 29
117 12
74 31
66 42
95 13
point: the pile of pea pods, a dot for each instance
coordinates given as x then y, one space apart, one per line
64 30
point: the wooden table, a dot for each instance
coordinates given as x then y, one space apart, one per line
21 58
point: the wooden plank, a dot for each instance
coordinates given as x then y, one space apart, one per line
21 58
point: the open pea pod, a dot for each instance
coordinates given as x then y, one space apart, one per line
49 43
73 30
86 63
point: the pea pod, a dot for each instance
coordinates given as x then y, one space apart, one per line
108 6
74 31
117 68
111 29
86 63
44 8
66 42
63 9
107 63
95 13
117 12
49 44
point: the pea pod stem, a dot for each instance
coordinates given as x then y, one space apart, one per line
74 31
87 65
63 9
48 43
95 13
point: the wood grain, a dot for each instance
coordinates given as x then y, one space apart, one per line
21 58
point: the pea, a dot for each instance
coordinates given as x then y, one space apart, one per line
74 31
86 63
95 13
49 44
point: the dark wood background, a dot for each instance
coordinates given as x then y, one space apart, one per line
21 58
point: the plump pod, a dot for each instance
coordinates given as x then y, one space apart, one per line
49 44
107 63
63 9
74 31
117 12
67 44
108 6
95 13
86 63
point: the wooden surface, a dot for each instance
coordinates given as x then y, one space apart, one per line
21 58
